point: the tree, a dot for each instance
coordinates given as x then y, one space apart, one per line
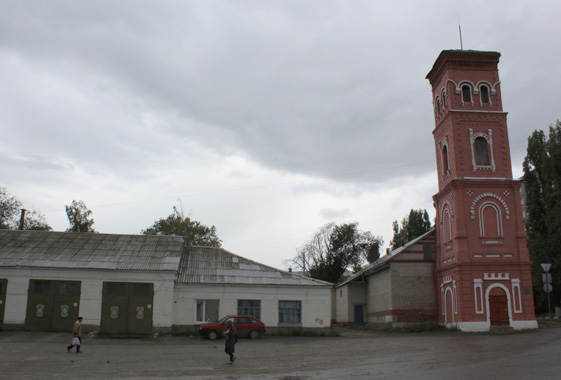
194 232
10 211
79 217
542 182
335 249
412 226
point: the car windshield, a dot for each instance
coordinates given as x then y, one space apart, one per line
223 320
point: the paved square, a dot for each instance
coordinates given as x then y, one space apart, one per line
355 354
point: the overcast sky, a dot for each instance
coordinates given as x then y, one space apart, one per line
267 119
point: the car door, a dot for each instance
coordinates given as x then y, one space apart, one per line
243 326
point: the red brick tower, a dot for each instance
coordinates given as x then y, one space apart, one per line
482 262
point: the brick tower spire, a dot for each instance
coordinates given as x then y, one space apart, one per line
482 262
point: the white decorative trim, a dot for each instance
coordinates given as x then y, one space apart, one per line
473 326
524 325
455 303
445 171
498 214
446 279
447 229
478 293
496 276
447 290
489 138
491 195
516 295
508 298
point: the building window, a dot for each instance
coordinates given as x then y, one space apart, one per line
116 289
290 312
67 288
445 162
207 311
484 94
447 226
466 93
141 290
481 151
250 307
42 287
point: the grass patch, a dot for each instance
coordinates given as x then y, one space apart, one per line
548 323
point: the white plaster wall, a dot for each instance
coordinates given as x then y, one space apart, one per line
316 302
357 296
91 291
342 304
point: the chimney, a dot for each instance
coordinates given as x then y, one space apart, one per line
22 219
289 270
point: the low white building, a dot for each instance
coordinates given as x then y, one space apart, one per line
119 284
212 282
141 284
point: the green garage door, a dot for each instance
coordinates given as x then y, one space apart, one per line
127 308
3 285
52 305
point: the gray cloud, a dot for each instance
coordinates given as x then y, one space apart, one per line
143 95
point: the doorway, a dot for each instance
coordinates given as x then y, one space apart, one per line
359 315
498 308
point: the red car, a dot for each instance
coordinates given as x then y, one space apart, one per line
246 326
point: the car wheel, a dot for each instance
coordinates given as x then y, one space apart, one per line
212 335
253 334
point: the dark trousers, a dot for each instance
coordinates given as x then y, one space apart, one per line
78 346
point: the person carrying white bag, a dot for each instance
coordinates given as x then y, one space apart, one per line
76 335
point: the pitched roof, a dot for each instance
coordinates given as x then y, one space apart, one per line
393 255
208 265
44 249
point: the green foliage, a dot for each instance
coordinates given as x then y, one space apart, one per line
335 249
542 181
194 232
412 226
79 217
10 211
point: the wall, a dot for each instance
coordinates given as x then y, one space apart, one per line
316 303
379 297
413 292
91 293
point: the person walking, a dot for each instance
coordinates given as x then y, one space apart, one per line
231 340
76 335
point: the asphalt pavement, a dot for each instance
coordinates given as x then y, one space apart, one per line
353 355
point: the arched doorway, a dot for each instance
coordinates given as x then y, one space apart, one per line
498 307
448 308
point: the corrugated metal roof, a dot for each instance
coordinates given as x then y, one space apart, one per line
43 249
207 265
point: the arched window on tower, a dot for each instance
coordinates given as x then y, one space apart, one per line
484 94
490 220
446 226
445 162
481 151
466 93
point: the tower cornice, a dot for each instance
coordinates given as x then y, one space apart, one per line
462 59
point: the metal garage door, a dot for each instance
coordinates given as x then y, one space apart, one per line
3 285
127 308
52 305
